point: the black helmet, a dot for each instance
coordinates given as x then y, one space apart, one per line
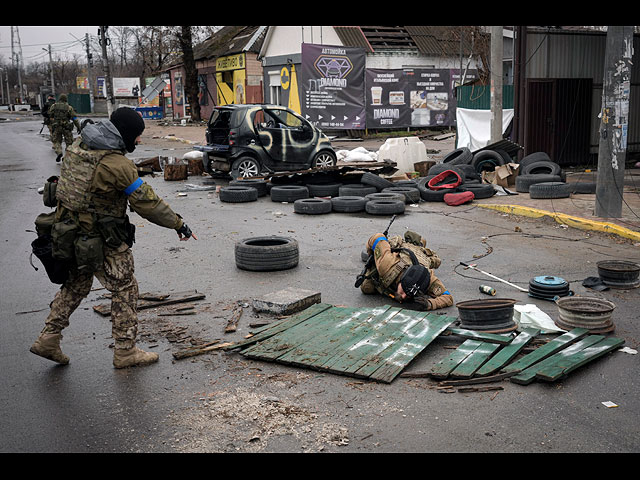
415 280
130 125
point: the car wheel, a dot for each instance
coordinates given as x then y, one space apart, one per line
324 160
245 167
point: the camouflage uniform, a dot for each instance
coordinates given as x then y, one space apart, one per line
93 192
47 116
390 265
62 117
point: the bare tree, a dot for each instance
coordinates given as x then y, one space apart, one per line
191 72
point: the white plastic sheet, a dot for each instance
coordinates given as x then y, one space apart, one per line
531 316
474 127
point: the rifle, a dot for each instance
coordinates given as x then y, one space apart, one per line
370 261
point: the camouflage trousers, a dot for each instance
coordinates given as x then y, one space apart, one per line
57 135
117 277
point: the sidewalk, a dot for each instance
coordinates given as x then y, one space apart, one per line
578 211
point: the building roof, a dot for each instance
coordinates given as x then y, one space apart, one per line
229 40
427 40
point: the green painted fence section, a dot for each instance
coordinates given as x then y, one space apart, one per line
478 97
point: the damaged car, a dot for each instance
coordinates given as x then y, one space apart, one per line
249 140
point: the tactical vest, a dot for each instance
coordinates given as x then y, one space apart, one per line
60 113
76 177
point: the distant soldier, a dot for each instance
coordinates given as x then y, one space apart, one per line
46 114
63 117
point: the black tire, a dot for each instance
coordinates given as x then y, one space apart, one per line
312 206
356 190
258 184
348 204
549 190
267 253
429 195
324 189
245 167
532 158
438 168
385 196
459 156
238 194
374 180
411 194
465 171
479 190
468 172
582 187
544 167
288 193
405 183
524 182
384 207
324 159
487 160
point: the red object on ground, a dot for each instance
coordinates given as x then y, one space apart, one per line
455 199
433 183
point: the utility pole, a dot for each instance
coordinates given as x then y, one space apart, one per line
614 117
53 85
102 31
89 65
497 45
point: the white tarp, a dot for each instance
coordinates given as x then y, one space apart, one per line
474 127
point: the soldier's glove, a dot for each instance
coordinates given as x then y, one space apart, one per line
184 232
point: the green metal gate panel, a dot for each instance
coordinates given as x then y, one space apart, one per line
80 102
374 343
478 97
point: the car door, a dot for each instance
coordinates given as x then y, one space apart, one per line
272 138
299 138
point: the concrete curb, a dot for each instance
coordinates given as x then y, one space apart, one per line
572 221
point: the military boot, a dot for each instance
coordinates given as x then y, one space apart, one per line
48 346
131 357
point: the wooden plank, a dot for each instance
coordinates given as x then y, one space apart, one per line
478 357
401 353
278 345
278 327
567 365
509 352
104 309
528 375
481 336
319 338
546 350
326 352
444 367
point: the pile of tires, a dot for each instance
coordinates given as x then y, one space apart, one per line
537 168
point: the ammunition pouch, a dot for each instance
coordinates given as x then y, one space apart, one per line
44 223
57 270
63 236
116 231
49 193
88 252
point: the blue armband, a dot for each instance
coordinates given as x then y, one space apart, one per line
373 248
446 292
133 187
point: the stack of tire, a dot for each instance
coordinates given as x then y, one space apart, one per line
468 167
544 179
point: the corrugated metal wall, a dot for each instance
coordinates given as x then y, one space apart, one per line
581 55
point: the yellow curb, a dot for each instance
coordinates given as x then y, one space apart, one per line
576 222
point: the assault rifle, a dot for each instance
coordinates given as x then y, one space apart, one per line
370 261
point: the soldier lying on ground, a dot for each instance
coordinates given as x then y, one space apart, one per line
404 271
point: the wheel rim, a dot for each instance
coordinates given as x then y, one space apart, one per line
324 160
248 169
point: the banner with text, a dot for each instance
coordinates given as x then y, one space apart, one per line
332 86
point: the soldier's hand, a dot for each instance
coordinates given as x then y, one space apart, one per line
184 232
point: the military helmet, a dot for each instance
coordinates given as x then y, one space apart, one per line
416 280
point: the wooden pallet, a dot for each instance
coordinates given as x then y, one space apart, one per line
373 343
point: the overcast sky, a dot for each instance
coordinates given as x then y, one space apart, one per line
63 41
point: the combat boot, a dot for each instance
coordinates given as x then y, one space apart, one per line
48 346
131 357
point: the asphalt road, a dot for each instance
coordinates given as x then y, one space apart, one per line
224 402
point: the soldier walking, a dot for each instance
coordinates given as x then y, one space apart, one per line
92 231
63 117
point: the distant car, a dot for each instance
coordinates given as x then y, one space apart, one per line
248 140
